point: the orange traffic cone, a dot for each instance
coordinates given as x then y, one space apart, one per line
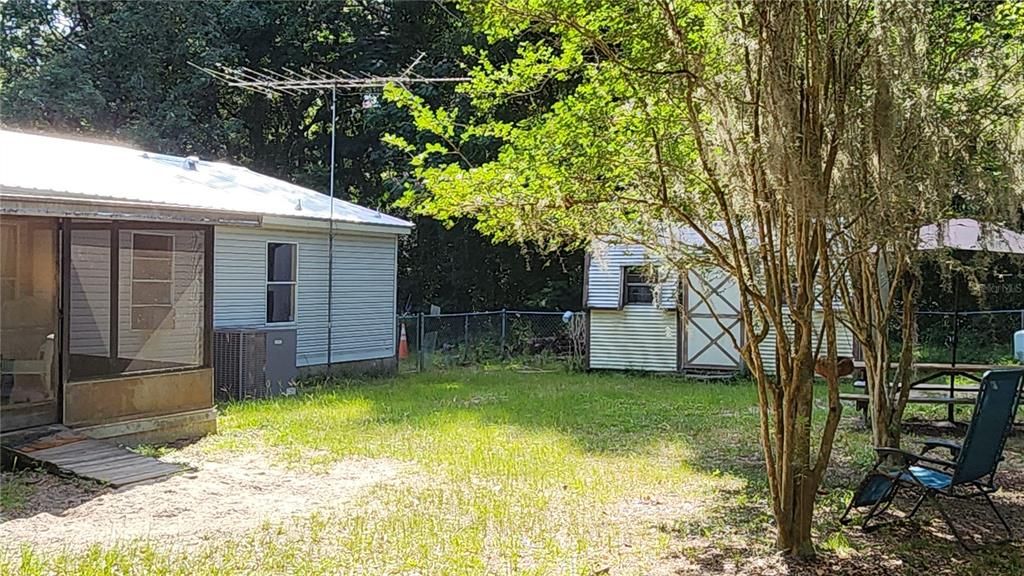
403 345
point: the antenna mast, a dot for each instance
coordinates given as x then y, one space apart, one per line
288 82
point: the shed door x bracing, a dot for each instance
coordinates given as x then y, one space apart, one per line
711 303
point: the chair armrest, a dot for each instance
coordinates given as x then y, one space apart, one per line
909 458
932 443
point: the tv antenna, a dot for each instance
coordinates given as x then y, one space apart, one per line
288 82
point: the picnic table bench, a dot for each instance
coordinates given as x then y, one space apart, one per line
931 377
862 400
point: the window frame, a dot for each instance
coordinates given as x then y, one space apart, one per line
626 284
131 282
294 283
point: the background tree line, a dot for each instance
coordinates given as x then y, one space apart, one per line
120 71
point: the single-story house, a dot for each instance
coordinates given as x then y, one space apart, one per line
670 325
118 265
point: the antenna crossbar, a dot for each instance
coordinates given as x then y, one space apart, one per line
290 82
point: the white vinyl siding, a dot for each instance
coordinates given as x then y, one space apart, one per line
364 290
844 343
90 292
638 337
364 297
604 276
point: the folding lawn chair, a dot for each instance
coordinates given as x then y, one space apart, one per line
972 473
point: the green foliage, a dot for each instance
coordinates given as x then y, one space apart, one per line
14 491
584 165
572 166
121 71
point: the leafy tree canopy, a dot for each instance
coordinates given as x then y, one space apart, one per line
120 70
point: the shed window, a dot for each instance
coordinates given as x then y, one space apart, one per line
637 288
152 281
280 282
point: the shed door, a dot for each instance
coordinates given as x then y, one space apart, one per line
708 295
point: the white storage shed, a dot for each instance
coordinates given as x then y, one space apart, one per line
670 325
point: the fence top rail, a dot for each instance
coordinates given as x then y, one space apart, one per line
967 312
486 313
543 312
562 312
459 314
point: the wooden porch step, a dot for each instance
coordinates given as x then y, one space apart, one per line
65 451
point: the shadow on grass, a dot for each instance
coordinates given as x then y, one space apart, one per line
733 537
717 423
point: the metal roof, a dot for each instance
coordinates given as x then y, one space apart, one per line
33 165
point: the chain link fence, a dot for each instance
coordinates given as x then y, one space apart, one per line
549 339
984 337
535 339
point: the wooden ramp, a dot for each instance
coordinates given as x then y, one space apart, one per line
65 451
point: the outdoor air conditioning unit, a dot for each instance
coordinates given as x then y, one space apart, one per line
253 363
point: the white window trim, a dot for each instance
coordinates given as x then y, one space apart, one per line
294 283
132 280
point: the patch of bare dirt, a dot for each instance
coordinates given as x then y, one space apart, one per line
47 493
704 539
222 497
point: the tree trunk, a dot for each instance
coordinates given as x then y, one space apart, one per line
794 528
786 435
794 536
888 398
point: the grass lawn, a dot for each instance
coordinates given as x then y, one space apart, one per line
13 492
547 473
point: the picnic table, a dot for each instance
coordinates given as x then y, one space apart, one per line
931 377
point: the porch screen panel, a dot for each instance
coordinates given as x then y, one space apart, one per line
90 304
160 304
28 320
137 299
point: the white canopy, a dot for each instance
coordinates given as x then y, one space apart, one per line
968 234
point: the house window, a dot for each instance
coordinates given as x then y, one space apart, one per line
152 281
281 263
637 288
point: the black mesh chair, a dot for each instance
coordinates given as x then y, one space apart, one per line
971 473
